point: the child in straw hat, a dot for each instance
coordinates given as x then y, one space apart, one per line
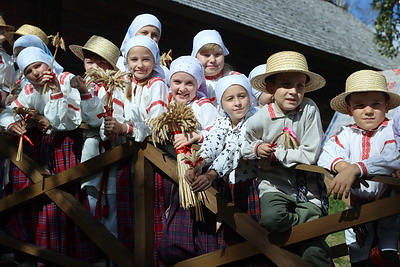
27 29
7 71
289 197
99 54
54 142
365 148
210 50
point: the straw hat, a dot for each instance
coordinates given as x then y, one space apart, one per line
27 29
100 46
288 61
3 24
364 81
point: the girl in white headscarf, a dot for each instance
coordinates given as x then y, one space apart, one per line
53 142
210 50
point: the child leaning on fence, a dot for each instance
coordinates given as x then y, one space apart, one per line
363 149
288 196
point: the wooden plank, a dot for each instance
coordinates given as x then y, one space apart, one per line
39 252
144 210
71 175
75 211
239 221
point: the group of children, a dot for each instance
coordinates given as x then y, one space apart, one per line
253 132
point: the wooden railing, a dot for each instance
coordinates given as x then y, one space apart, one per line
146 158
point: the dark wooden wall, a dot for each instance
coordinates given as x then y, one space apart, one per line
77 20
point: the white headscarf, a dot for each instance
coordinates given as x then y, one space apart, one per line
139 22
152 46
31 55
192 66
225 82
208 37
256 71
34 41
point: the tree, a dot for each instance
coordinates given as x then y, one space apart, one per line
387 26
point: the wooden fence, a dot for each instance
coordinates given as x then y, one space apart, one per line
146 159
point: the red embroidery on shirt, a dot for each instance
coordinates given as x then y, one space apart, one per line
155 103
209 128
334 162
366 144
1 59
16 101
73 107
214 77
28 89
63 76
392 141
203 101
56 96
234 73
337 141
170 97
118 102
153 80
271 111
86 96
363 168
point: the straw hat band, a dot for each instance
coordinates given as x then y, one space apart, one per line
100 46
364 81
288 61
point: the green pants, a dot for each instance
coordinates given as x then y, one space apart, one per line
280 212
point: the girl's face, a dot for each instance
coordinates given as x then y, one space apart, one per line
140 62
151 32
288 90
183 87
236 103
212 60
34 72
96 62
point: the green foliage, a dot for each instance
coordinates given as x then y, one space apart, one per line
387 34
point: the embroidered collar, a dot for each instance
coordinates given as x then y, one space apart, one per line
216 76
275 112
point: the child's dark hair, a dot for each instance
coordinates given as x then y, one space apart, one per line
90 54
347 98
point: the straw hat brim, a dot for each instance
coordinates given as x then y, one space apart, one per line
78 51
316 81
9 28
338 103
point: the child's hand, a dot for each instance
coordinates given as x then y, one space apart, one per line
18 128
113 127
396 174
50 78
265 150
192 173
343 181
204 181
185 139
79 83
10 98
43 124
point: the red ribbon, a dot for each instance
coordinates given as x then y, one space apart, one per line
193 164
27 139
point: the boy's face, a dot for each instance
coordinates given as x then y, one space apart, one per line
140 62
288 90
368 109
151 32
212 61
96 62
236 102
34 72
183 87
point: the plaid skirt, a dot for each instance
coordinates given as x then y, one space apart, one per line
243 195
41 222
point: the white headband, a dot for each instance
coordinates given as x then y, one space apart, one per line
225 82
208 37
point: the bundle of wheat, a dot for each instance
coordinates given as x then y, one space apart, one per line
180 118
56 41
24 114
289 139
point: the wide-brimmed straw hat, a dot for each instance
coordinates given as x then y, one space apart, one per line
3 24
27 29
364 81
288 61
100 46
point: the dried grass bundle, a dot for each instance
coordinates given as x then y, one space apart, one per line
24 114
57 42
180 118
166 58
288 140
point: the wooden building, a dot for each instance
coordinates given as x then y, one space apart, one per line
334 42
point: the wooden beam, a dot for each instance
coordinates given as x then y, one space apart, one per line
41 253
74 174
74 210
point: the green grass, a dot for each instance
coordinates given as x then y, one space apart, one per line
337 238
